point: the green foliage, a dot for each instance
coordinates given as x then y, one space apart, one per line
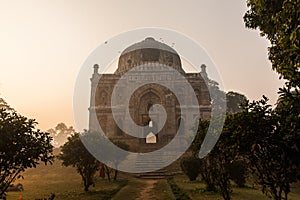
200 135
214 167
124 146
269 143
74 153
177 191
21 147
190 166
117 158
237 172
275 152
234 101
288 116
279 21
5 105
207 169
218 164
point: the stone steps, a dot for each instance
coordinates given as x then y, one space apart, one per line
147 166
159 174
148 162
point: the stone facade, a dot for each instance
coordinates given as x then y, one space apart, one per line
149 53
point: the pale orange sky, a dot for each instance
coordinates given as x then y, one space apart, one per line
44 43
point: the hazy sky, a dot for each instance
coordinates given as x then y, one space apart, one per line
44 43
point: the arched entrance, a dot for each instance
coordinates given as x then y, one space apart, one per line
146 101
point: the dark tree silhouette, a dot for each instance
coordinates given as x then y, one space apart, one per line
234 101
278 21
21 147
73 153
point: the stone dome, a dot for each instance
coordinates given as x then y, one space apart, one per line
148 51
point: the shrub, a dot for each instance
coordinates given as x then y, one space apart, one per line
190 166
237 172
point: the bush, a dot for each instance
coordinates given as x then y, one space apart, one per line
237 171
190 166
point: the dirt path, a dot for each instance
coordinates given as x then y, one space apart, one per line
146 191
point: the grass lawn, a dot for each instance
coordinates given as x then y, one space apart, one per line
65 182
135 189
162 190
131 190
196 191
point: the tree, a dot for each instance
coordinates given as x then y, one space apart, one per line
205 168
119 158
287 115
259 136
73 153
214 168
22 146
190 166
234 101
221 158
114 158
60 134
237 172
270 149
4 105
279 21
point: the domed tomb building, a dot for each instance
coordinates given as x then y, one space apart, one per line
150 53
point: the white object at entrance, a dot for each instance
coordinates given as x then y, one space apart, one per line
151 138
150 124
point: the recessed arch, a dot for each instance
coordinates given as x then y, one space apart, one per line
147 100
102 97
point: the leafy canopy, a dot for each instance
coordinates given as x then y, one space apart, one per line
21 147
74 153
279 21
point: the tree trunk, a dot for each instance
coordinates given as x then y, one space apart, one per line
209 185
107 171
285 195
226 195
223 184
116 174
86 185
279 194
12 178
286 191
